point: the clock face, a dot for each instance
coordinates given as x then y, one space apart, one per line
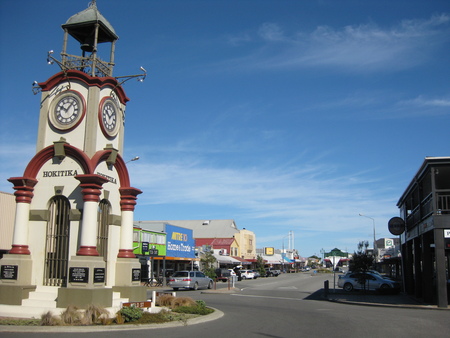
67 110
109 117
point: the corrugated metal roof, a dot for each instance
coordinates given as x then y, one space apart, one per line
222 228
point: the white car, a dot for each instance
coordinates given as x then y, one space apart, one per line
351 281
247 274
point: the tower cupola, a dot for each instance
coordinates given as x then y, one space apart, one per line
89 28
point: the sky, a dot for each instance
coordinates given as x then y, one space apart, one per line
285 116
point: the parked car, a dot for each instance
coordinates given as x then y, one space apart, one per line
232 272
351 281
256 274
272 272
371 271
224 274
247 274
190 280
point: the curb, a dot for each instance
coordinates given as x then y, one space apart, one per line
403 306
110 328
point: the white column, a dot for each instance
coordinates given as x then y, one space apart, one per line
20 236
127 202
126 230
91 185
24 194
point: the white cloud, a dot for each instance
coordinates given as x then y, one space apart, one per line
356 48
314 197
271 32
422 101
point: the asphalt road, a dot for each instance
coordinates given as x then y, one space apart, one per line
289 306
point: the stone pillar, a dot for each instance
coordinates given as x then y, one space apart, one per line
128 197
91 185
86 278
128 267
441 278
24 194
17 265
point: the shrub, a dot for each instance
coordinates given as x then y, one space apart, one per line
131 314
200 303
183 301
194 309
95 314
71 316
119 318
47 319
155 318
165 300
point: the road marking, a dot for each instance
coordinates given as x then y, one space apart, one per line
253 296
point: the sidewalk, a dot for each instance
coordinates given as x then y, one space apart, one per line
373 298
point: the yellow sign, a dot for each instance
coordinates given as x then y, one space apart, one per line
269 251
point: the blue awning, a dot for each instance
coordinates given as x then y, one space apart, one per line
288 260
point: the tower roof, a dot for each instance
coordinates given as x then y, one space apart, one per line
80 25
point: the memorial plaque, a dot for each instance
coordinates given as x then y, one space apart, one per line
78 275
136 275
99 275
9 271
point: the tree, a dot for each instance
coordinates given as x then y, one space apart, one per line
362 262
260 265
208 261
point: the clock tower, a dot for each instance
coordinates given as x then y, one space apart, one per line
73 230
84 103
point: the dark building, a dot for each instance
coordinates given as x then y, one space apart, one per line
425 208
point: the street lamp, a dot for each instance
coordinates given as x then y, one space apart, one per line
374 239
133 159
283 252
322 251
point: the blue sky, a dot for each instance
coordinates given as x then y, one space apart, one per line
282 115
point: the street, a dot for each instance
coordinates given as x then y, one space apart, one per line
290 306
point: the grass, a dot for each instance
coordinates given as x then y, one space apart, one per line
20 321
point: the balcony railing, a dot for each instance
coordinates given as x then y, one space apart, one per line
86 64
443 203
426 208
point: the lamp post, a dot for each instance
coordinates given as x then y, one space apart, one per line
322 251
283 252
133 159
374 239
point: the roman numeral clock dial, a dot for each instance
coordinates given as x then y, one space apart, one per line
109 117
67 110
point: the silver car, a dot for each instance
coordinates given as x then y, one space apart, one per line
351 281
190 280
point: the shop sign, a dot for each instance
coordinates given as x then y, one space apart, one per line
180 242
447 238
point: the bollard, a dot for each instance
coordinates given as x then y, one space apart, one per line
326 286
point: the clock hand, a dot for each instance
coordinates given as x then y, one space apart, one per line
70 110
62 111
110 119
